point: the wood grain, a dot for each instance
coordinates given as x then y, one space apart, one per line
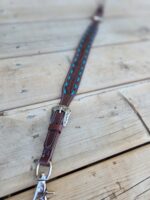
25 10
125 177
124 8
35 38
110 114
30 80
12 11
101 125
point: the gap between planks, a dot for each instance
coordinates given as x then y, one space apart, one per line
111 159
24 89
47 42
79 96
73 49
116 129
69 20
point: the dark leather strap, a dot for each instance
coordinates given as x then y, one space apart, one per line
70 87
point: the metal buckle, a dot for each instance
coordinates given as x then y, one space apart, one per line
66 110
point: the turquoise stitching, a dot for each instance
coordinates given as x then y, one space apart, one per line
65 91
84 62
73 92
69 77
91 31
76 86
78 79
80 73
71 71
66 84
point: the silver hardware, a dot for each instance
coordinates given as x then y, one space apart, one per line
49 171
97 18
41 190
66 110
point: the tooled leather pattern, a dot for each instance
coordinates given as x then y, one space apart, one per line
70 88
77 67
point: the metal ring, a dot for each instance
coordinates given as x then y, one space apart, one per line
49 171
97 18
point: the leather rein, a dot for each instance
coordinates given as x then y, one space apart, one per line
60 113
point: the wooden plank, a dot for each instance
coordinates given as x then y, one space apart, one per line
22 39
135 96
106 67
35 10
101 125
12 11
128 179
123 8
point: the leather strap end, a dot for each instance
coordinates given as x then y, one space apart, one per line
49 147
54 131
100 10
97 17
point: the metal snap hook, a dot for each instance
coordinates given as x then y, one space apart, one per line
41 189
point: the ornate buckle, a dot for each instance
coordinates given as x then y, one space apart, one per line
66 110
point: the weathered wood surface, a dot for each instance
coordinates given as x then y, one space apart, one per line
12 11
30 80
37 10
102 125
125 177
34 38
109 116
131 8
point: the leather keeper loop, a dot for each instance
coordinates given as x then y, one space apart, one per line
49 147
55 127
